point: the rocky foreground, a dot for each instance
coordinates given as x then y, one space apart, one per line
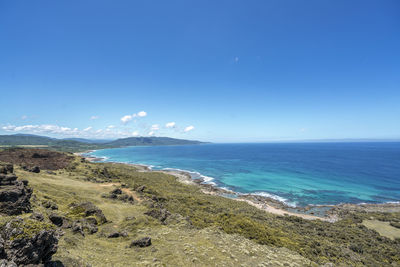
86 214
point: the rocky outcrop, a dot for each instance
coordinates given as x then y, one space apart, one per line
24 242
87 209
117 234
119 195
143 242
14 195
159 214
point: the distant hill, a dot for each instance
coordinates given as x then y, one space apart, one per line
81 144
150 141
89 141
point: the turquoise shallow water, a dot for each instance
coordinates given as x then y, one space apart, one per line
296 173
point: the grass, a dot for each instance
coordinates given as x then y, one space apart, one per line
202 230
177 243
383 228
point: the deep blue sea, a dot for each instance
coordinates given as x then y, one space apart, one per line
297 173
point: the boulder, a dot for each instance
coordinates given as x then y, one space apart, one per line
28 241
143 242
56 219
117 191
114 235
35 169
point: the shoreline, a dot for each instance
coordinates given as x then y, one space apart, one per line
328 213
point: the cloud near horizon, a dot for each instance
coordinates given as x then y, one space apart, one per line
127 118
189 128
170 124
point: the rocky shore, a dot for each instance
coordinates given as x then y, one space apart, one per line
328 213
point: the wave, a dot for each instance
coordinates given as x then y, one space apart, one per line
275 197
195 175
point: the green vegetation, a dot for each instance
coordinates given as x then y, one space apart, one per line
386 229
346 242
189 227
78 145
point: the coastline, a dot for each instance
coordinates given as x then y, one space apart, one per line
328 213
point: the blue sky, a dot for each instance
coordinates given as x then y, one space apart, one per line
224 71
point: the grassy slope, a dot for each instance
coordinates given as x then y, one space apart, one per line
176 244
204 240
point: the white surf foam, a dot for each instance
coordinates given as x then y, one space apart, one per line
276 197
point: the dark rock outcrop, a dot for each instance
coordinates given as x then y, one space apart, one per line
159 214
118 194
57 219
37 216
117 234
14 195
117 191
143 242
50 205
87 209
25 242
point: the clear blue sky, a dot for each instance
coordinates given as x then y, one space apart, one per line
234 70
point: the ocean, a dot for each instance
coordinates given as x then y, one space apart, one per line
295 173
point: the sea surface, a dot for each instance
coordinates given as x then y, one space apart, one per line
295 173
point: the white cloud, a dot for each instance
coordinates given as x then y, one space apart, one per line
135 133
110 127
151 133
155 127
170 124
88 129
94 117
127 118
141 114
189 128
44 128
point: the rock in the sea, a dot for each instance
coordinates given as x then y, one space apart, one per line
28 241
14 195
143 242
